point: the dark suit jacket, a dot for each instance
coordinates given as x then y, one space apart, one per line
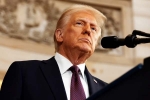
39 80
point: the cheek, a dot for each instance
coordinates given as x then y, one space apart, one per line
74 33
95 39
71 34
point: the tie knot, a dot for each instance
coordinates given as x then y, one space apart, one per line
74 69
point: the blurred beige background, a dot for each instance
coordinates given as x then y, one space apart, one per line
26 33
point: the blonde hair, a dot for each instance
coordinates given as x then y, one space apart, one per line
64 18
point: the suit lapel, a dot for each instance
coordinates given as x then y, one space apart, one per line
54 79
92 83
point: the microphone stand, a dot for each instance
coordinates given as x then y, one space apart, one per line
131 40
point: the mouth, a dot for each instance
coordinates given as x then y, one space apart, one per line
85 40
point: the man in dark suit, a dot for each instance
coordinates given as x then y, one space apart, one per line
76 36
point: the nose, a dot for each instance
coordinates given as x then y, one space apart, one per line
87 30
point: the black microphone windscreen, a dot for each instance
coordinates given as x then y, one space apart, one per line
110 42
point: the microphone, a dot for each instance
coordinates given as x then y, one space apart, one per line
130 41
112 42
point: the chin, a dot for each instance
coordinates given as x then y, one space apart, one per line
85 50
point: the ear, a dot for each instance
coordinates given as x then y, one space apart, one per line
59 35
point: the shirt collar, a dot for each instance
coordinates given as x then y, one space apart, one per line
64 64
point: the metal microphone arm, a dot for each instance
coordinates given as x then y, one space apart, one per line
137 32
131 40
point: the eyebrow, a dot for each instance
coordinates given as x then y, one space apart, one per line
83 19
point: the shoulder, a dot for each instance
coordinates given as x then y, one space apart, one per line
26 62
29 63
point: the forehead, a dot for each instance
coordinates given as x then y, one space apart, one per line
85 16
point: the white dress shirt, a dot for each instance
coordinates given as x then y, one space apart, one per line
64 64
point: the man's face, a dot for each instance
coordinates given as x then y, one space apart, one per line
81 32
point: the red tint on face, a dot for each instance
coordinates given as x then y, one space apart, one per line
81 32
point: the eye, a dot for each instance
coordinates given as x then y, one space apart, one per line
93 28
79 23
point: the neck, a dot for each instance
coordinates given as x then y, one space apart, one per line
75 56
